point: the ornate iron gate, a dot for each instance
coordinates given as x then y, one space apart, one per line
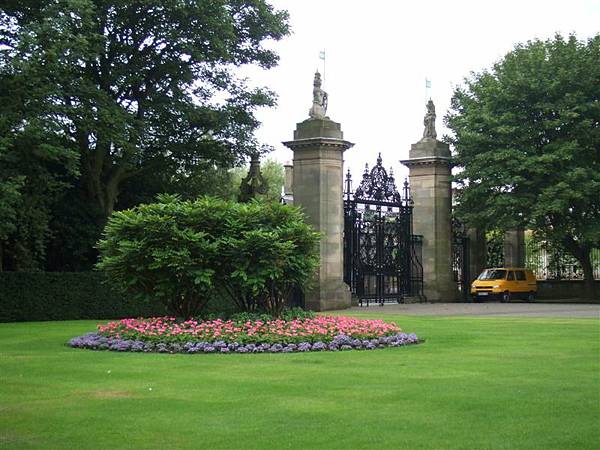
381 256
460 259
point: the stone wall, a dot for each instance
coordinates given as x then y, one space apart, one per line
563 289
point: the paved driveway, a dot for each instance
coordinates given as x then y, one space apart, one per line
489 309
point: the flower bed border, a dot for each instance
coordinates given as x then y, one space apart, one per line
95 341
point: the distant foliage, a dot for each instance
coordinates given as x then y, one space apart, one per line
183 253
495 248
272 171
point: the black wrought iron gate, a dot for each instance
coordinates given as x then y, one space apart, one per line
460 259
381 256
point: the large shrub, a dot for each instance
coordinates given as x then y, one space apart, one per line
182 253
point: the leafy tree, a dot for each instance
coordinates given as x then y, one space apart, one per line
135 87
35 169
9 197
527 138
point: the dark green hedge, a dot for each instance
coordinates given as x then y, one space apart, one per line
30 296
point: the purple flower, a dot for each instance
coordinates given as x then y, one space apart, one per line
162 348
342 339
188 345
96 341
275 348
200 346
175 348
219 345
137 346
319 346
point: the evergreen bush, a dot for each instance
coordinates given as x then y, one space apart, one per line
183 253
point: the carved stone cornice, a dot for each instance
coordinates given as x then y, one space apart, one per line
332 143
427 161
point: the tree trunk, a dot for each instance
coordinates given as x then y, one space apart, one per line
583 255
103 193
588 277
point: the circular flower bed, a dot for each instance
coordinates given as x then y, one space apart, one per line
167 335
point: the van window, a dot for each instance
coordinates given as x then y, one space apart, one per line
520 275
492 275
511 276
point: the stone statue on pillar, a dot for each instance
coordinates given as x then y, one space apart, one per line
319 106
429 122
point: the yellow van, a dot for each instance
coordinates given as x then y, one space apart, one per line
505 283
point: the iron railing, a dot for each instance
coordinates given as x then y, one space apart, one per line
551 263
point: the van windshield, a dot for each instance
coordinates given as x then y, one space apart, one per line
492 275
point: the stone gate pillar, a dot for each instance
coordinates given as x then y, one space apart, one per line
318 148
514 248
429 165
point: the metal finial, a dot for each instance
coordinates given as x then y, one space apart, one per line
348 184
406 190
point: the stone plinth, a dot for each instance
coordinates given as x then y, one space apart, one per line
318 148
430 188
514 248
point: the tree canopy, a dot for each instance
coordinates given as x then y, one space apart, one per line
526 139
109 90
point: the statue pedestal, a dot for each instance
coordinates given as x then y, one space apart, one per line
318 148
430 188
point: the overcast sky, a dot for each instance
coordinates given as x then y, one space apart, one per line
378 54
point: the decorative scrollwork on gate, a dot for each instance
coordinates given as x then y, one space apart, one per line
380 261
377 185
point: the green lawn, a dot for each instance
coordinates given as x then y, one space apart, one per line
476 383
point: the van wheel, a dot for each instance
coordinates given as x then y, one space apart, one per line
505 297
530 296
